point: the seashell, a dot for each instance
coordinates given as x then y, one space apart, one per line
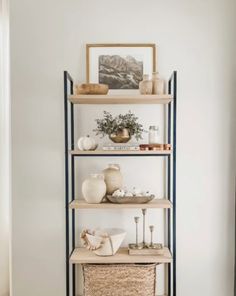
118 193
137 191
129 194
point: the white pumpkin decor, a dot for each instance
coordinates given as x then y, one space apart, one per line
87 143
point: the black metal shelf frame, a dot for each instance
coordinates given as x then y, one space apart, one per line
70 180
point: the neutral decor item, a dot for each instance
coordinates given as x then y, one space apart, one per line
94 188
87 143
121 147
153 134
120 66
130 199
144 211
145 86
144 249
104 242
154 147
158 84
120 128
113 178
121 136
119 279
156 250
151 227
92 89
136 220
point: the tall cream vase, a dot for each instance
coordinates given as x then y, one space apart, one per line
94 188
145 86
158 84
113 178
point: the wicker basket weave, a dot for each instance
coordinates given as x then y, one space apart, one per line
119 279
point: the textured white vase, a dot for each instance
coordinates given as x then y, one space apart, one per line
113 178
94 188
145 86
158 84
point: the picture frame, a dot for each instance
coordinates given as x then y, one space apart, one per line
121 66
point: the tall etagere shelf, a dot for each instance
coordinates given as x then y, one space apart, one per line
80 255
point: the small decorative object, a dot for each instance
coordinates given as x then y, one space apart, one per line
145 86
121 128
94 188
121 136
130 199
87 143
167 146
144 211
120 66
146 147
136 220
113 178
136 246
103 242
151 227
121 147
144 248
153 135
92 89
158 84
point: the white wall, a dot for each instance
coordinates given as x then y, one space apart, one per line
194 37
4 149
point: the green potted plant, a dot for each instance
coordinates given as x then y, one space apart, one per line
120 128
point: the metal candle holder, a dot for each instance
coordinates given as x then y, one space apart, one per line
137 245
144 245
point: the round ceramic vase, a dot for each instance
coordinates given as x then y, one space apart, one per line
113 178
145 86
94 188
158 84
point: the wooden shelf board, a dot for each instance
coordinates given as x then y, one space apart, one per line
120 153
154 204
82 256
156 295
120 99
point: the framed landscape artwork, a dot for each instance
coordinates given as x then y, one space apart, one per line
121 66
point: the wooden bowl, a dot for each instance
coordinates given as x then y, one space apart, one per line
92 89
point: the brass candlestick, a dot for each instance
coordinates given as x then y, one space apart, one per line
136 220
144 211
151 227
136 245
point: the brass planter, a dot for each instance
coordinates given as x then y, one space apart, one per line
121 136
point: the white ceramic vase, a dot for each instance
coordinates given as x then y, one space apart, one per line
94 188
145 86
113 178
158 84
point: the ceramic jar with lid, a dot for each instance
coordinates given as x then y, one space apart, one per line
153 135
113 178
145 86
94 188
158 84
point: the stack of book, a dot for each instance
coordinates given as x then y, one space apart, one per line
121 147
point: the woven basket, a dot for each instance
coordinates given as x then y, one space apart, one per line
119 279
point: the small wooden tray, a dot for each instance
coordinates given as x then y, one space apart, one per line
92 89
158 250
130 199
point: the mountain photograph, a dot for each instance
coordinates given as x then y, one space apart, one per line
120 72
